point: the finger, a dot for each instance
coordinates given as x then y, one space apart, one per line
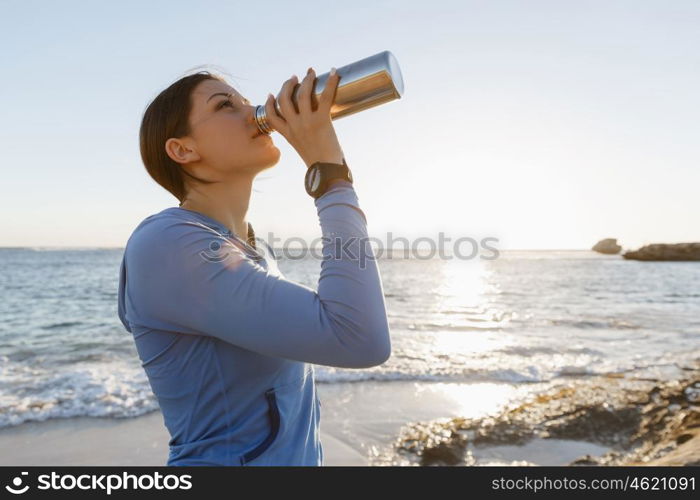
328 95
305 90
273 118
285 98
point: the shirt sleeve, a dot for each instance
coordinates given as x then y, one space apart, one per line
185 278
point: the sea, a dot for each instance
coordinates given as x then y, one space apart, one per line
524 317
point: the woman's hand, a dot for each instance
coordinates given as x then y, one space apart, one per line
309 131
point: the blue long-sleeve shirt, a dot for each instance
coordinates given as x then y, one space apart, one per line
227 342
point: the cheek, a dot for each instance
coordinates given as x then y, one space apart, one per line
226 136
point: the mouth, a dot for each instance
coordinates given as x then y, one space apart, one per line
258 134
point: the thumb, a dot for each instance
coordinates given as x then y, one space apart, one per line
272 117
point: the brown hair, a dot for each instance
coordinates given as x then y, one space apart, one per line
165 117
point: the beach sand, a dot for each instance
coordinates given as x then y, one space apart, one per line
358 421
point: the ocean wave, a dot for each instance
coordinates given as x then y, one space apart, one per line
65 324
614 324
121 390
530 375
530 350
106 389
454 327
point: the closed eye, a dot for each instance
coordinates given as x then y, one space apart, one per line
224 103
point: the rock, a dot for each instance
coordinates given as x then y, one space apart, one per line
607 246
686 454
585 460
643 422
666 251
683 438
448 452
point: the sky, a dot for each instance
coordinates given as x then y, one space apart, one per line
544 124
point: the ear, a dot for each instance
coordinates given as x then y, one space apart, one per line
181 150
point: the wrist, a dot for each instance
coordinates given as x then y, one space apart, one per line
331 153
326 158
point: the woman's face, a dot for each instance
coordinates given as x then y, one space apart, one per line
223 134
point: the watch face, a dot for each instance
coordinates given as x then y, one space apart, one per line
315 179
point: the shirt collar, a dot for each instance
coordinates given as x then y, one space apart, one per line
215 224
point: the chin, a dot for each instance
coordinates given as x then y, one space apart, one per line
270 158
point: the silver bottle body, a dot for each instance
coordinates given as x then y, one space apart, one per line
363 84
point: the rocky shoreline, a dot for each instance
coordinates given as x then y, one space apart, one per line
654 252
640 421
664 251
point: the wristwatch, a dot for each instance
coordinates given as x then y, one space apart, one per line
319 173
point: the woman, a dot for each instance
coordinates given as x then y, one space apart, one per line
225 340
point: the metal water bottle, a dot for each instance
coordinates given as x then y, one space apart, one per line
363 84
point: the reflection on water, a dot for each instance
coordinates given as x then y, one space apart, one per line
471 400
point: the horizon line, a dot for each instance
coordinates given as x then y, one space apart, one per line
103 247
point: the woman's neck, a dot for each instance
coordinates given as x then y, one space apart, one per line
225 202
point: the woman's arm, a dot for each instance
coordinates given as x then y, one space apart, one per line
172 286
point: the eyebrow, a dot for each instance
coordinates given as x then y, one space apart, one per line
226 95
